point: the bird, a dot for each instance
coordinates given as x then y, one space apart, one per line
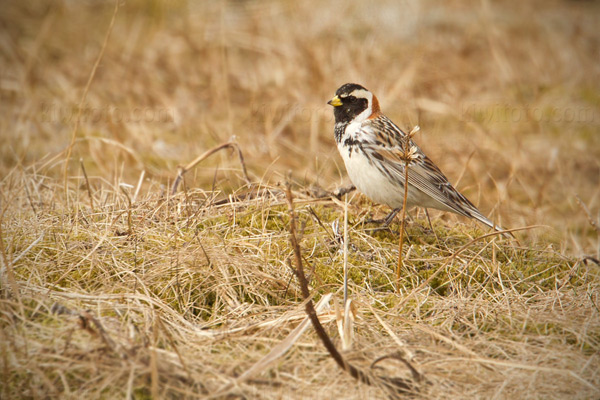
371 146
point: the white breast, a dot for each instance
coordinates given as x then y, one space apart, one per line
375 184
365 176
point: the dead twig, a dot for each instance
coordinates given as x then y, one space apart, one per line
123 187
393 386
587 212
397 356
85 92
182 170
408 154
87 184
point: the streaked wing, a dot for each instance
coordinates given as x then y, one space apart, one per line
424 175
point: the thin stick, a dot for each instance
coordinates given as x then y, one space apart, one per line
87 184
206 154
129 207
393 385
345 250
85 92
310 310
582 205
408 154
139 185
402 224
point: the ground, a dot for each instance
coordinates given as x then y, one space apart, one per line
114 285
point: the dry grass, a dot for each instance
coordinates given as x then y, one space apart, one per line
134 292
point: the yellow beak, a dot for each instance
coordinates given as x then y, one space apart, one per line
336 102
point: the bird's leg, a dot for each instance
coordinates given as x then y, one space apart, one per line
387 220
431 226
390 217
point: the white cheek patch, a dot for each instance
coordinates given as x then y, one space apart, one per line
364 94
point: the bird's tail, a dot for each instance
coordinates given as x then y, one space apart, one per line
475 213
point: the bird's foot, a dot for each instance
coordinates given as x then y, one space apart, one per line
385 221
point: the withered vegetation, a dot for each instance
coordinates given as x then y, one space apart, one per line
113 285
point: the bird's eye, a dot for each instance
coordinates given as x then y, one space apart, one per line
352 99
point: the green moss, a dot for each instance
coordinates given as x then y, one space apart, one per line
262 229
142 393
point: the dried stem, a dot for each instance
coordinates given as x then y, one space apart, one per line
402 224
393 386
129 208
345 251
588 214
408 154
87 185
206 154
85 92
310 310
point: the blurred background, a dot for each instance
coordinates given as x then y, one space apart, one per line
507 94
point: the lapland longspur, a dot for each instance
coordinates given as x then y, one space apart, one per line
371 146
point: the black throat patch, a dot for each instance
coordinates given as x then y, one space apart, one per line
351 106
